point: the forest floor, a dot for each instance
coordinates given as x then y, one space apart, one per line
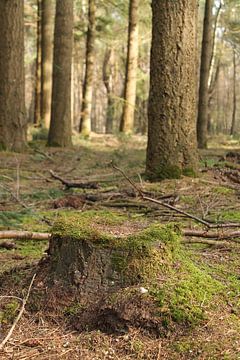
31 199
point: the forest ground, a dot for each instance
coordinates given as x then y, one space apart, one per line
29 195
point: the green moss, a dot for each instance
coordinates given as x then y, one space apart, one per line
8 312
165 172
189 172
85 225
186 293
223 190
230 215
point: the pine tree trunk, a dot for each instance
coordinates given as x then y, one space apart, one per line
46 64
127 121
108 82
233 125
37 103
207 48
85 121
171 147
13 123
60 126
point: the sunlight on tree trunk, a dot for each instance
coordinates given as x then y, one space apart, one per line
171 147
127 121
60 126
85 121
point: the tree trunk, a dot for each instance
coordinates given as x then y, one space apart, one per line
37 103
60 126
127 121
46 64
85 121
13 124
108 82
233 125
172 101
207 49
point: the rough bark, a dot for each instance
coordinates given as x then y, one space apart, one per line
60 126
37 100
47 23
85 121
206 56
172 101
234 111
127 121
13 123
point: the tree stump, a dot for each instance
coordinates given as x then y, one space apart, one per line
141 279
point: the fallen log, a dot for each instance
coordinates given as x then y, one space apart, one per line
24 235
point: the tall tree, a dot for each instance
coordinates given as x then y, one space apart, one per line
85 121
46 63
37 100
127 121
108 82
234 111
60 126
206 56
172 148
12 95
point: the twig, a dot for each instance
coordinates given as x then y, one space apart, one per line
199 220
24 302
79 185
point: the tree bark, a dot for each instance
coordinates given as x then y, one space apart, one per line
85 121
127 121
47 26
206 56
13 124
233 125
172 146
60 126
37 102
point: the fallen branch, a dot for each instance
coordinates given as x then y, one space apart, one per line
212 234
24 235
78 185
166 205
24 302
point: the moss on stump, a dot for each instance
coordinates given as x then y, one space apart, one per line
143 279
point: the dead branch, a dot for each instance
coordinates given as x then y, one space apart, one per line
205 242
193 217
24 235
78 185
24 302
212 234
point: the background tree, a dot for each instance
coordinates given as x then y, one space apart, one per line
171 146
12 86
127 122
37 103
47 22
60 126
85 121
206 56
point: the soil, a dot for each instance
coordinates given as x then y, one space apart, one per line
30 199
